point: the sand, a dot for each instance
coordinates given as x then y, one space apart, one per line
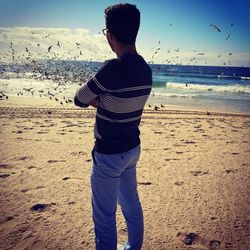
193 178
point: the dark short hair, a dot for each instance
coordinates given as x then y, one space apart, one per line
123 21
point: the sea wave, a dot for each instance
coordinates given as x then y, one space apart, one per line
244 78
217 88
229 77
163 94
202 75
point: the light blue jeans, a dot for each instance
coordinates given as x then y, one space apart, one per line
113 180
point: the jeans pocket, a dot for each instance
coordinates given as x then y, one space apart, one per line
93 156
138 153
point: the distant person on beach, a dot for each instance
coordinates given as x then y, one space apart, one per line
119 91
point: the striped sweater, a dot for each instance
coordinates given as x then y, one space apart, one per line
122 86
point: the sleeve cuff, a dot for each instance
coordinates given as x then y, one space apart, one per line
80 104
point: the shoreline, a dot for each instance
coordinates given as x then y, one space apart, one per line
43 102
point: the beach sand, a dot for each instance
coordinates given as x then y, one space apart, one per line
193 178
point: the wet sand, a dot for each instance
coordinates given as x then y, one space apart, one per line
193 178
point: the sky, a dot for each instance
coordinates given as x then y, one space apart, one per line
180 28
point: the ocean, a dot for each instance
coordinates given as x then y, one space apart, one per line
198 87
202 87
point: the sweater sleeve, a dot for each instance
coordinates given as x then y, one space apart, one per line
96 86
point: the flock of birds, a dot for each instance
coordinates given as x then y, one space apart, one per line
193 59
53 53
62 74
69 70
49 54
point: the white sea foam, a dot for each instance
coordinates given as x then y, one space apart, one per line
217 88
164 94
245 78
13 86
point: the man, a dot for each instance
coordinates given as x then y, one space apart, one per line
119 91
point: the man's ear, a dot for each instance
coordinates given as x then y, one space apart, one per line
110 36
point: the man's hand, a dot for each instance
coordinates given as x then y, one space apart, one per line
95 102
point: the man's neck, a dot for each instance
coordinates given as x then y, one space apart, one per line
125 49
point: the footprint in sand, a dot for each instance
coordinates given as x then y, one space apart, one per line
6 166
42 132
198 173
77 153
41 207
62 133
68 178
5 219
234 130
166 148
231 171
158 132
17 132
179 183
47 125
23 158
214 218
54 161
146 183
196 241
245 164
4 175
179 152
26 189
31 167
189 142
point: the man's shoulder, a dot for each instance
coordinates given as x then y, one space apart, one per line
120 62
108 67
111 62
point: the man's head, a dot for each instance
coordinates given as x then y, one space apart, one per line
123 21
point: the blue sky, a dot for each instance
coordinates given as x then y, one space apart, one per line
189 19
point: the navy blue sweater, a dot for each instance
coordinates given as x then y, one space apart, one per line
123 86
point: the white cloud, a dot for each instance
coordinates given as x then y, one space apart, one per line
37 41
95 47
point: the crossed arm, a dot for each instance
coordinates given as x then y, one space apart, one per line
87 96
94 103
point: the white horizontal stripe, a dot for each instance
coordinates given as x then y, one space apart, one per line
98 84
123 105
132 88
85 95
118 121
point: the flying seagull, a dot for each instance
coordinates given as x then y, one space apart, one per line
229 35
49 48
215 27
47 36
